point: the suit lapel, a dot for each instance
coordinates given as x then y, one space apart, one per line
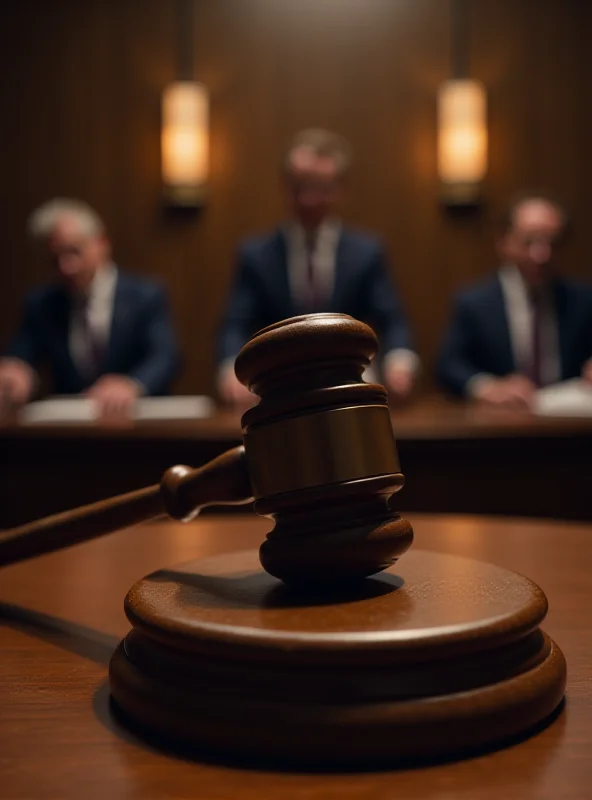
277 277
61 321
498 321
62 307
564 326
342 270
119 321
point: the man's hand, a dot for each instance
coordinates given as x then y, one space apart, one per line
587 371
232 391
115 395
17 380
513 391
399 380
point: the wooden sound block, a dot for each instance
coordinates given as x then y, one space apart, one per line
435 655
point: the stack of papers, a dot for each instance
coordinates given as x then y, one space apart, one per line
83 409
567 399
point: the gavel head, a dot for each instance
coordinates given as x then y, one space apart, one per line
320 450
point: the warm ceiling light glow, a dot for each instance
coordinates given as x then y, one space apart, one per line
184 142
462 140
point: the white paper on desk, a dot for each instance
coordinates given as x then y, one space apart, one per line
83 409
187 407
571 398
58 409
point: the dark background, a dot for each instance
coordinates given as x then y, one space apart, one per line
82 84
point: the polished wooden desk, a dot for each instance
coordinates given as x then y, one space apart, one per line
61 617
457 458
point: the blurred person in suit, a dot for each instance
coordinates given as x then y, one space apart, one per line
525 327
103 332
312 263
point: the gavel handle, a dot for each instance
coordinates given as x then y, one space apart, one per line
182 493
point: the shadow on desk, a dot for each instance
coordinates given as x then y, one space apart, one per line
77 639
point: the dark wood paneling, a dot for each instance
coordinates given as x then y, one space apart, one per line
81 94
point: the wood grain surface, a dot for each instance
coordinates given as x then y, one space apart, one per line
62 617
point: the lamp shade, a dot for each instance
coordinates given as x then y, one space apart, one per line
184 142
462 140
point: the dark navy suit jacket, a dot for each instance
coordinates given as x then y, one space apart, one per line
261 293
142 343
478 339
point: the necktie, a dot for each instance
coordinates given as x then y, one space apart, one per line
94 346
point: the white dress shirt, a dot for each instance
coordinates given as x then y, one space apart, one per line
519 313
323 255
98 307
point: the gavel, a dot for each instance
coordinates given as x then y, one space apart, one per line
319 457
436 655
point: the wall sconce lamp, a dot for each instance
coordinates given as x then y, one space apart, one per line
462 122
185 123
184 143
462 141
